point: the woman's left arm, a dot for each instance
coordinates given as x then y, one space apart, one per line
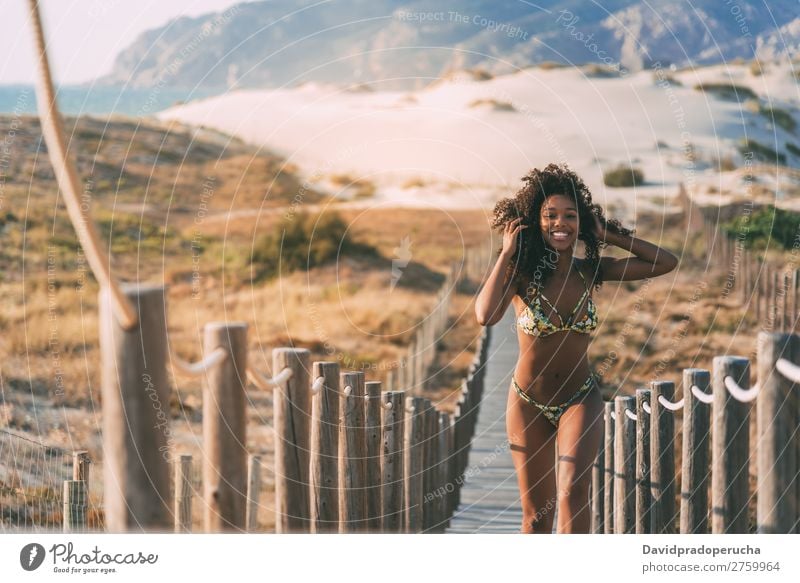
648 260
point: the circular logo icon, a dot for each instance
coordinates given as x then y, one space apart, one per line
31 556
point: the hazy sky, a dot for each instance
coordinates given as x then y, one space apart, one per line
84 35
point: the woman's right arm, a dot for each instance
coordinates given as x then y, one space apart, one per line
495 295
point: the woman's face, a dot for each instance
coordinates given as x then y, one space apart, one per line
559 221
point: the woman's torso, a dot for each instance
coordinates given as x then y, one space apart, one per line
551 368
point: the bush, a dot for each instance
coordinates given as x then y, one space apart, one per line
306 242
761 152
623 176
766 226
727 91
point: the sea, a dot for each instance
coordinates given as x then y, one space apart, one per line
77 100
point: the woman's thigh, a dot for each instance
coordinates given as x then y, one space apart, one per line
532 443
580 431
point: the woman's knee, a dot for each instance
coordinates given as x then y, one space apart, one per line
573 490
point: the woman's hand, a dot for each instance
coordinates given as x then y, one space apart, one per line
510 234
600 230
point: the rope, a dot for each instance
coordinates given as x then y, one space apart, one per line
790 370
631 414
53 131
317 385
676 406
738 393
195 369
701 396
264 382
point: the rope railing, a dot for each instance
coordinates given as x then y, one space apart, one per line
634 485
196 369
264 382
67 177
738 393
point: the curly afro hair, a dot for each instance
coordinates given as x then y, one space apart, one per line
533 258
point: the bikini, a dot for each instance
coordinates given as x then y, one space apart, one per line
534 321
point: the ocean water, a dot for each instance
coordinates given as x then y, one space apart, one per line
77 100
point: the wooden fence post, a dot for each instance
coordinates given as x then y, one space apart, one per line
413 460
373 416
253 491
608 469
136 398
429 467
643 498
352 454
662 459
225 429
324 463
624 466
183 493
598 491
442 456
730 447
776 416
292 419
695 453
75 504
392 471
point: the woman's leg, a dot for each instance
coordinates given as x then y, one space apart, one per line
580 430
532 442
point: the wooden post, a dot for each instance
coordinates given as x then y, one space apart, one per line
598 491
225 429
183 493
662 459
428 468
413 460
292 414
643 499
136 425
451 486
695 453
776 416
75 504
392 472
442 456
624 466
324 463
352 454
730 449
253 491
608 469
80 466
374 413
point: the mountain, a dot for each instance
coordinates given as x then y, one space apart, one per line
396 44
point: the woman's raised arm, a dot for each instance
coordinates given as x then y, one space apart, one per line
648 260
496 293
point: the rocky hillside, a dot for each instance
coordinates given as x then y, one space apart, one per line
396 43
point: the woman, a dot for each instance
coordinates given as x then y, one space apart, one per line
554 399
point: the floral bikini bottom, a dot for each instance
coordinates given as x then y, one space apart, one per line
554 412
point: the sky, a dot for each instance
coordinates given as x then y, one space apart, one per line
85 35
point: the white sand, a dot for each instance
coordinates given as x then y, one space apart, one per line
471 155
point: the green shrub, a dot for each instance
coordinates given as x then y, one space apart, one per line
793 149
306 242
766 226
779 117
760 151
727 91
623 176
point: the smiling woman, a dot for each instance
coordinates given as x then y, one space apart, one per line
555 402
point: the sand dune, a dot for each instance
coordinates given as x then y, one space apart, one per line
465 143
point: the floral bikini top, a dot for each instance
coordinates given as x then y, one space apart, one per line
533 320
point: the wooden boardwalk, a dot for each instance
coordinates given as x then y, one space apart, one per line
489 495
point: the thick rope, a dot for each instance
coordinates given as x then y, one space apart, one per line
53 131
196 369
